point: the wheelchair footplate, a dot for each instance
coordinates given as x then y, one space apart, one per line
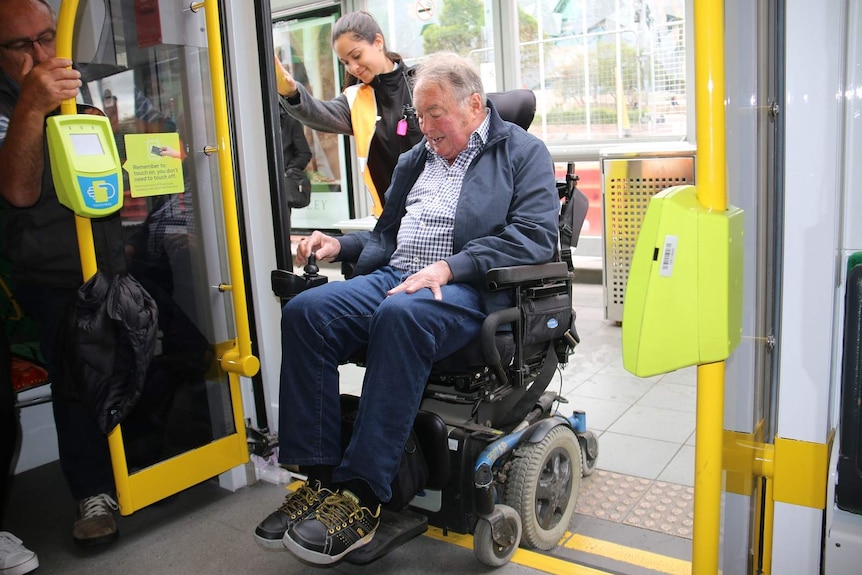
396 528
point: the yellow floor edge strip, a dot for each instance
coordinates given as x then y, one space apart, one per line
630 555
606 549
521 556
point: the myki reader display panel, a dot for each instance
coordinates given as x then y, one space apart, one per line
85 164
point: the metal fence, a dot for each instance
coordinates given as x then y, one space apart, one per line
608 84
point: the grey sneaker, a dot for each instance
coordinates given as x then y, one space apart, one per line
96 524
297 506
340 525
15 559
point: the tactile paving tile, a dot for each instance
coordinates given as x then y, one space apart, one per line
666 508
644 503
610 496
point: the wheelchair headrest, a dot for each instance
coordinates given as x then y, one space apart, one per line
516 106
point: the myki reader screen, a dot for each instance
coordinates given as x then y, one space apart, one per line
87 144
85 164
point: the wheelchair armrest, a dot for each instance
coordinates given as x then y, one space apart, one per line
348 269
489 346
499 278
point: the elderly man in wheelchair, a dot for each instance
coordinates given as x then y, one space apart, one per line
478 195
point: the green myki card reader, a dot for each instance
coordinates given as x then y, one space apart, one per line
85 164
683 300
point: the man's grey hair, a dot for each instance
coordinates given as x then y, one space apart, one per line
44 3
453 71
47 5
50 7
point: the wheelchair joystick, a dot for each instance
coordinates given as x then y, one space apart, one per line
311 268
286 284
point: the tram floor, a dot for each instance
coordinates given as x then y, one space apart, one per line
634 514
208 530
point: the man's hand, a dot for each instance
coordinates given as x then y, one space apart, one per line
325 248
432 277
47 84
43 87
285 84
169 152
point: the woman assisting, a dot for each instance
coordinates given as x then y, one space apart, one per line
375 107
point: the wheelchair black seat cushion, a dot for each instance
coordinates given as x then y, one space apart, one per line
467 359
470 357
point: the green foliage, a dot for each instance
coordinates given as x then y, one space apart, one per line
528 30
460 28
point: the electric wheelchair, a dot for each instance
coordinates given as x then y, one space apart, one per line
502 465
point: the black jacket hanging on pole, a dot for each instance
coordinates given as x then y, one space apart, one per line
105 344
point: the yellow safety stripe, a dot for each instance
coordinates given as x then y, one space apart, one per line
630 555
523 557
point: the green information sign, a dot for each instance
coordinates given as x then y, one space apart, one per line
154 163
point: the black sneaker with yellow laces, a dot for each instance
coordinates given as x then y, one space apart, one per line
339 525
297 506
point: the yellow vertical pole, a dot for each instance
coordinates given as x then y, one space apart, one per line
712 194
239 360
707 467
709 99
86 247
65 30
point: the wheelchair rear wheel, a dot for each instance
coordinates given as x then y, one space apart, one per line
543 486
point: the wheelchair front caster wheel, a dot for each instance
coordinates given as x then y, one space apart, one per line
589 452
497 553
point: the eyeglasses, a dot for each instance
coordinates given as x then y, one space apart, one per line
46 40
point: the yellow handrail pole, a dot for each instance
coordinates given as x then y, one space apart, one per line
239 360
707 468
709 99
65 30
86 247
712 194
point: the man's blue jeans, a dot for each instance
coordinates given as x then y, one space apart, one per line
405 334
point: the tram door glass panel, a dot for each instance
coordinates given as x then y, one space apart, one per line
155 89
304 46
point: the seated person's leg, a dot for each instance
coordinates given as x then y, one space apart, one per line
321 327
408 332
